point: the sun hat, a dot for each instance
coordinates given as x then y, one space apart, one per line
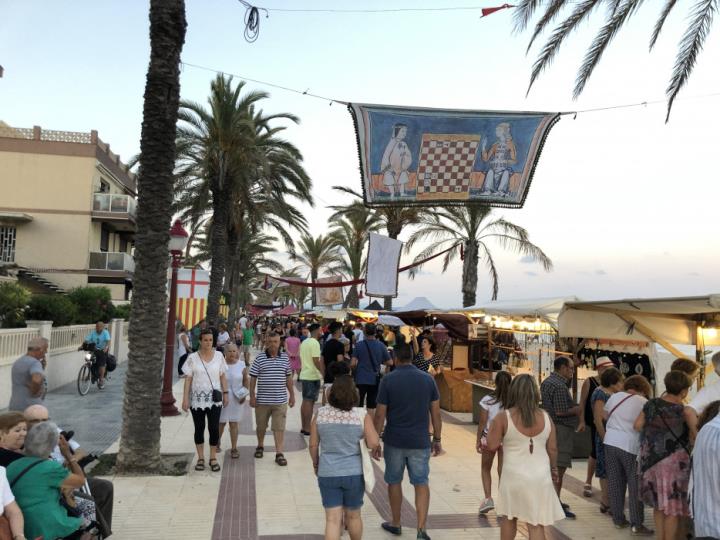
603 362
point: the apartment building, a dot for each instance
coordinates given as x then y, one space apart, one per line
67 211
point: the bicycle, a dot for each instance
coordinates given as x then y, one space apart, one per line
88 375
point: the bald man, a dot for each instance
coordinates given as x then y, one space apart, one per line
102 490
28 376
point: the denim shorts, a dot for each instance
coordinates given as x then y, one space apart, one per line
345 491
417 461
311 390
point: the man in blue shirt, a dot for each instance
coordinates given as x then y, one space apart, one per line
368 356
100 337
405 398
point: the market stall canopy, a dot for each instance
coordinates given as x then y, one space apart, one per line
389 320
421 302
666 321
374 305
288 310
544 308
455 323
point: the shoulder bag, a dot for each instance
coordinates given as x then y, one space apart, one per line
623 400
367 464
216 394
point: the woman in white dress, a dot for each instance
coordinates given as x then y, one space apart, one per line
238 383
527 436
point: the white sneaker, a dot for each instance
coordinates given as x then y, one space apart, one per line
486 506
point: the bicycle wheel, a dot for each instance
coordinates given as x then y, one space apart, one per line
83 380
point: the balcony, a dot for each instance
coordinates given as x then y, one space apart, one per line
116 210
107 264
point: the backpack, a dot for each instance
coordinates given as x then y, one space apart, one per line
110 363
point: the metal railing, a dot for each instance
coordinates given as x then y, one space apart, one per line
14 341
111 202
67 338
108 260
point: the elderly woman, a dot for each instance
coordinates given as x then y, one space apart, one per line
336 433
204 395
36 480
622 444
13 429
9 509
665 433
237 380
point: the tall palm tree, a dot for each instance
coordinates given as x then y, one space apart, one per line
140 438
618 13
473 228
316 254
351 233
394 219
231 152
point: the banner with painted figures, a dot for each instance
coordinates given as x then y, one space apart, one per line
441 157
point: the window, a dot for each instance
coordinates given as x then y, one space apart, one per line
123 243
104 187
104 238
7 244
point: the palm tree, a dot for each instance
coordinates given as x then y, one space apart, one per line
351 233
316 254
140 438
472 228
620 12
230 152
394 219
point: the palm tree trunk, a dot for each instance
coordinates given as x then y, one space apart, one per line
140 438
469 274
233 271
352 299
313 278
219 253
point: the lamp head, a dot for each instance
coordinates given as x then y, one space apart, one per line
178 238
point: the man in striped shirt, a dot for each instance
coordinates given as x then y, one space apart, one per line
271 391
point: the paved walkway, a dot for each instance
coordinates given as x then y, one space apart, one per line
254 499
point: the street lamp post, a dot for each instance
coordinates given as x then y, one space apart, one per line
178 241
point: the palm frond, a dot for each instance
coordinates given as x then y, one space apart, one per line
524 12
667 8
550 49
602 40
492 270
690 46
552 11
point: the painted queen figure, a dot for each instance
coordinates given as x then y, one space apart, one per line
501 156
396 161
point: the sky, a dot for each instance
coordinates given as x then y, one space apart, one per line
624 204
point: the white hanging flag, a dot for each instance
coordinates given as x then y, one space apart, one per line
383 264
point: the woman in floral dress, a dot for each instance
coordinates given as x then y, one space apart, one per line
665 455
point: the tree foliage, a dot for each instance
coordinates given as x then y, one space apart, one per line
14 299
617 13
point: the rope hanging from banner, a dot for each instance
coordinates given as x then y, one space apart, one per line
348 283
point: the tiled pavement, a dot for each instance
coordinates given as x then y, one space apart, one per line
255 499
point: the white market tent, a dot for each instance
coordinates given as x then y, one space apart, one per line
421 302
544 308
666 321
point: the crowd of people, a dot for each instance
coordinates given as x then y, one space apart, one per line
378 399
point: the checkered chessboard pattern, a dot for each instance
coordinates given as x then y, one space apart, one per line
445 163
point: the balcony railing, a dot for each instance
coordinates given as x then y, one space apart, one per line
113 261
110 202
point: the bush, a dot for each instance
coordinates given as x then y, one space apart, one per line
93 304
57 308
122 312
13 301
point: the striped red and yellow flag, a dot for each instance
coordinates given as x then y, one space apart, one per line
190 310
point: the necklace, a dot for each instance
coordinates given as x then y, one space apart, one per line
532 445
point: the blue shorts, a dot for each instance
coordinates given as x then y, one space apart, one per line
311 390
345 491
417 461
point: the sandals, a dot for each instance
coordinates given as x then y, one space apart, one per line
604 508
214 465
587 490
200 465
234 453
259 452
280 460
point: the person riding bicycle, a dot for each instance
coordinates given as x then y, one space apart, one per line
100 337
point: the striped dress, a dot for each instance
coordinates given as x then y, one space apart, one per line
705 481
